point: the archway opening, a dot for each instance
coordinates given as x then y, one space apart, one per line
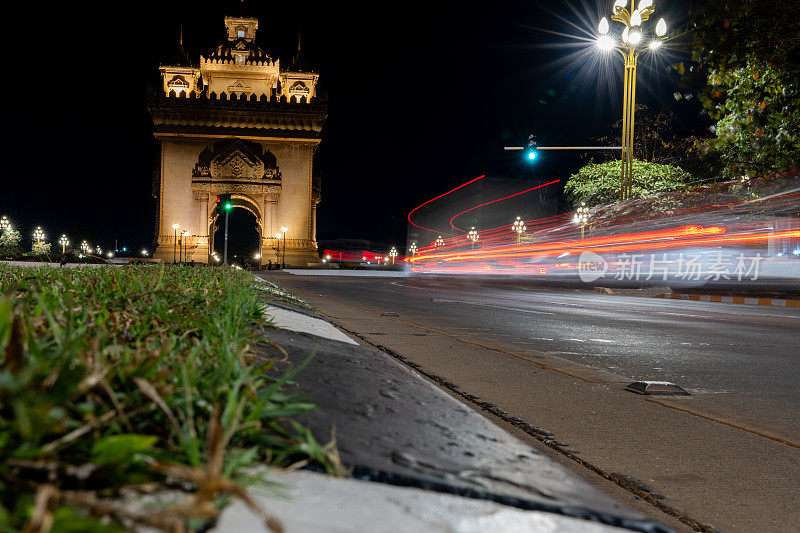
243 240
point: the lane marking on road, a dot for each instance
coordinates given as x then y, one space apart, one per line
601 340
681 314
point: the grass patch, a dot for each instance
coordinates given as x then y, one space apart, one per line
112 379
280 294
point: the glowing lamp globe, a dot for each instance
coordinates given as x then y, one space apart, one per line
661 28
603 27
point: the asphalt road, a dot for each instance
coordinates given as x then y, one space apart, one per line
739 362
744 360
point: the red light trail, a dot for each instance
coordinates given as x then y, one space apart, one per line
498 200
440 196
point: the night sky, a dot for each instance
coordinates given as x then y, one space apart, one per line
422 97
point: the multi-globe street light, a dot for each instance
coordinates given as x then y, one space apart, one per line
581 217
412 250
473 236
38 234
393 254
85 247
5 224
63 241
438 242
629 48
519 228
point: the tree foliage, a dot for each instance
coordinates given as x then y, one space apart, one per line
749 62
599 183
660 137
9 242
40 248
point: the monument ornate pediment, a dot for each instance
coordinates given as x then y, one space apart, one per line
236 160
178 81
299 87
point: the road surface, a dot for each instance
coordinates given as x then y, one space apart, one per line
559 358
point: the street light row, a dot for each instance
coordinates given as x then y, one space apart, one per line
39 236
581 218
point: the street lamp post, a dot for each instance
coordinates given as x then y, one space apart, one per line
412 250
184 247
473 236
438 242
393 254
63 241
5 224
632 37
284 229
277 249
174 241
519 229
581 217
85 248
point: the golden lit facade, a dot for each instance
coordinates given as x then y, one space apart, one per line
236 123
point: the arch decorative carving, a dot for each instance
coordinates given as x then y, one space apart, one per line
236 160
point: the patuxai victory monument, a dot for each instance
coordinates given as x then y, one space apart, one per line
237 123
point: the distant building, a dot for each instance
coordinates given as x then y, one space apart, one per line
236 122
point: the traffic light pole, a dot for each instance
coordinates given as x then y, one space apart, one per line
509 148
225 251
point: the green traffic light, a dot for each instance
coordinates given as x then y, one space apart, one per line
228 207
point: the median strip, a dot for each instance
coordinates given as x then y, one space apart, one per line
775 302
121 382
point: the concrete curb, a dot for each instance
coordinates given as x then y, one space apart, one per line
317 502
775 302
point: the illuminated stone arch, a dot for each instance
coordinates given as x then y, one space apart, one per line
245 202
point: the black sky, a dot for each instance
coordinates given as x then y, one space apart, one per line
422 97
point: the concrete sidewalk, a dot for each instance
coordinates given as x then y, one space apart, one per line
395 427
